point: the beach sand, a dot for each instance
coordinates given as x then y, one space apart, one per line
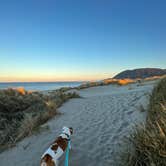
101 118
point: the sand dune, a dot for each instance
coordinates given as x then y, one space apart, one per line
101 119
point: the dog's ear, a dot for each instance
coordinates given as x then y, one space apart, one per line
71 130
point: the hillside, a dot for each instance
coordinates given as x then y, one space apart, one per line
140 73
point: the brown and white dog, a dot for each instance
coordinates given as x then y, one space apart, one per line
56 150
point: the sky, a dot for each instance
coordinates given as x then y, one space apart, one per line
73 40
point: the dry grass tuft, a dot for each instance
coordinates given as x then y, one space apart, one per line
125 81
21 90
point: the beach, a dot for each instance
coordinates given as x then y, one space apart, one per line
102 117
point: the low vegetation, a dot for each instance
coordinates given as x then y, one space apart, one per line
21 112
106 82
149 141
119 82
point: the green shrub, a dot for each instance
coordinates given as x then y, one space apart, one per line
21 112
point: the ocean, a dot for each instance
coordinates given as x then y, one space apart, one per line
39 86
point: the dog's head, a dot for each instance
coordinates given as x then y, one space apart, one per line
67 130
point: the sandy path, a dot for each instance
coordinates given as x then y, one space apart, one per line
101 119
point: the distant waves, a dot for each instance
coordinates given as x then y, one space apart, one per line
40 86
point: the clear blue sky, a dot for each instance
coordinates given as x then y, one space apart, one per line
47 40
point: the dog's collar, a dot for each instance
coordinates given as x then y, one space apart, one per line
66 136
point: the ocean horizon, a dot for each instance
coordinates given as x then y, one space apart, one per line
39 86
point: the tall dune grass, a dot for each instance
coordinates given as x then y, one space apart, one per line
149 141
21 112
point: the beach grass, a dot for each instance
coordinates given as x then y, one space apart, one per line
22 112
118 82
148 142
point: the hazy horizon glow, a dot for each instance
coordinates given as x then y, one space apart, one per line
79 40
53 78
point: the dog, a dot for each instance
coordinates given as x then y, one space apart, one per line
57 148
